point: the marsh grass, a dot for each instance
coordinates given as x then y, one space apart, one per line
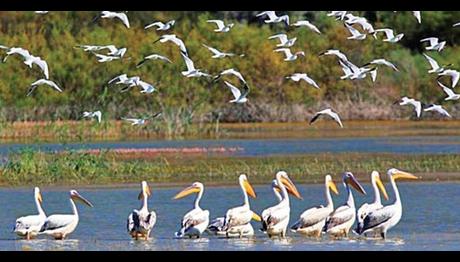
29 167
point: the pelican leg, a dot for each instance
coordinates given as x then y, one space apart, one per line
383 234
28 236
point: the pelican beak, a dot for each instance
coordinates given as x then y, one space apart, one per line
83 200
187 191
333 187
248 188
402 174
146 190
256 217
39 198
356 185
291 188
382 188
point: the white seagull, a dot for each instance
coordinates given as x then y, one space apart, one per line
122 16
173 38
221 27
96 114
273 18
39 82
41 12
335 52
29 226
288 55
390 35
230 71
434 43
410 101
456 24
355 34
217 53
454 74
417 15
437 108
328 112
153 57
449 92
435 68
239 97
306 24
382 61
161 26
135 121
351 19
302 76
339 15
105 58
191 70
284 41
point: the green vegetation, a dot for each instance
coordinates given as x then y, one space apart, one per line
37 168
185 101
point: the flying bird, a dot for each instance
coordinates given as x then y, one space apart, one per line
306 24
437 108
221 27
288 55
161 26
434 43
410 101
355 34
37 83
335 52
302 76
96 114
435 68
418 15
191 70
328 112
449 92
239 97
351 20
454 74
230 71
153 57
217 53
456 24
339 15
122 16
273 18
389 33
106 58
384 62
284 41
173 38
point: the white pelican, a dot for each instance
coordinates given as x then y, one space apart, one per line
312 220
173 38
239 97
275 219
284 41
410 101
434 44
342 219
141 222
389 34
96 114
60 226
273 18
335 52
449 92
302 76
435 68
29 226
230 71
196 220
355 34
191 70
35 84
366 208
289 55
122 16
306 24
328 112
454 74
221 27
384 62
153 57
381 220
217 53
437 108
161 26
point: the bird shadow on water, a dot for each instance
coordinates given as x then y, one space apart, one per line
46 244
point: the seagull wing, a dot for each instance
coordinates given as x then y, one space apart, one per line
446 90
188 62
53 85
388 32
282 37
124 18
213 50
43 66
157 24
432 62
433 40
287 51
220 24
235 91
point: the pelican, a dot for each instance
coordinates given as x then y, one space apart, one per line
449 92
239 97
366 208
122 16
29 226
221 27
437 108
306 24
276 219
355 34
312 220
328 112
141 222
191 70
161 26
96 114
343 217
435 68
230 71
434 43
302 76
284 41
60 226
454 74
173 38
196 220
273 18
289 55
153 57
217 53
384 62
410 101
389 34
39 82
382 219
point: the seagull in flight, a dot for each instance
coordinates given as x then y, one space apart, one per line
153 57
140 121
288 55
434 43
410 101
339 15
146 87
284 41
355 34
273 18
239 97
302 76
328 112
230 71
389 34
449 92
435 68
122 16
456 24
217 53
335 52
221 27
173 38
351 20
384 62
161 26
191 70
418 15
41 12
437 108
39 82
454 74
306 24
29 59
106 58
96 114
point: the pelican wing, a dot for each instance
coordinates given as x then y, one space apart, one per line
238 216
195 217
341 215
54 222
378 217
26 222
312 217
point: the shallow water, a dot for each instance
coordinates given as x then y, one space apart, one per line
430 219
265 147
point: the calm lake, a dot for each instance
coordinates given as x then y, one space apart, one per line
430 219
